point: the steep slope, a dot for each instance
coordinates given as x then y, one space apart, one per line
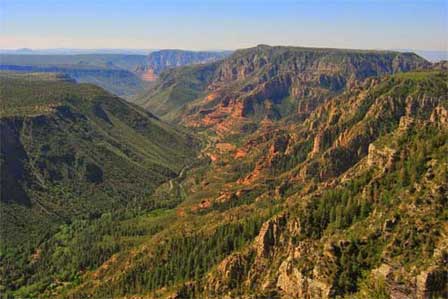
73 151
176 88
341 193
348 202
118 81
372 190
123 61
159 61
112 72
266 83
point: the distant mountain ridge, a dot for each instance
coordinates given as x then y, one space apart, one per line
430 55
266 82
68 51
118 81
121 74
114 72
158 61
124 61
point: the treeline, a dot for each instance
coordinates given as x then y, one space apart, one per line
284 163
182 258
421 154
81 245
339 207
342 206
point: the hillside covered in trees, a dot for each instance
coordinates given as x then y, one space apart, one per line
283 173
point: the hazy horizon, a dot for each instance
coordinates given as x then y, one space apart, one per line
24 49
227 25
430 55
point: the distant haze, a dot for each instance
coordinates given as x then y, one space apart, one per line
68 51
220 24
433 56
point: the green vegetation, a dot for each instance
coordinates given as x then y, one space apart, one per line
338 207
123 61
84 245
177 87
71 152
182 258
117 81
113 72
264 77
346 199
344 206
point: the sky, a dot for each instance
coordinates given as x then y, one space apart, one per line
223 24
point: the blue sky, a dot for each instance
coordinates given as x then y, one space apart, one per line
224 24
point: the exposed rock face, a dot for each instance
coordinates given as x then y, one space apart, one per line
307 82
279 145
308 280
440 116
321 141
269 236
441 65
228 274
422 105
342 133
383 158
291 281
158 61
405 123
146 73
325 167
275 82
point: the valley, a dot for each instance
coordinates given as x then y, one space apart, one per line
126 75
269 172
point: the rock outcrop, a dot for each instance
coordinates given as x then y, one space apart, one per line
383 158
276 82
158 61
269 236
228 274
